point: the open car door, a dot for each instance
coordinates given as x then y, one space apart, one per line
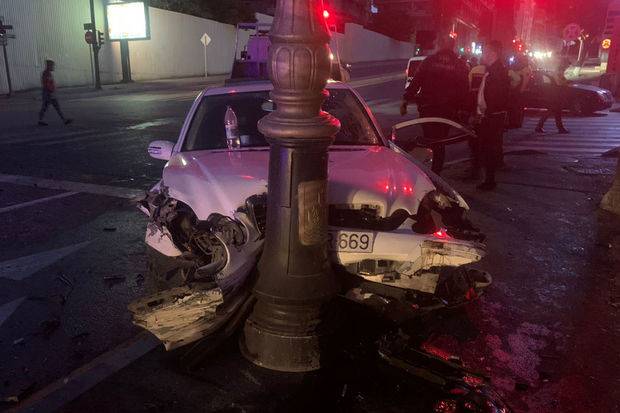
412 136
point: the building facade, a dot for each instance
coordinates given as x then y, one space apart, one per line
468 21
525 11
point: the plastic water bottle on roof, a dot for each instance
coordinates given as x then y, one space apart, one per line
231 124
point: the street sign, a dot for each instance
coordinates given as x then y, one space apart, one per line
89 26
571 32
89 37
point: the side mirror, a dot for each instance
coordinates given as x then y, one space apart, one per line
161 150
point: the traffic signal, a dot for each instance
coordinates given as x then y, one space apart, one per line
100 38
519 46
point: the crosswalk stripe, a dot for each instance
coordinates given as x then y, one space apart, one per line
21 268
577 144
6 310
35 202
556 149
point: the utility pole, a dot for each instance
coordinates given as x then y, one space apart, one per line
96 46
291 321
4 38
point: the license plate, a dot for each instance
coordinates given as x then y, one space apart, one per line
351 241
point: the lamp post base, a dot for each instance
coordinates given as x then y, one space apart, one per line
288 338
275 351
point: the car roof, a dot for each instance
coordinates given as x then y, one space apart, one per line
259 86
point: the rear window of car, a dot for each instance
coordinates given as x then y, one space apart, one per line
207 130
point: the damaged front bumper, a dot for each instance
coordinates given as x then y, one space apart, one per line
424 270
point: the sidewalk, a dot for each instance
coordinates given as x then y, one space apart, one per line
547 331
361 71
81 92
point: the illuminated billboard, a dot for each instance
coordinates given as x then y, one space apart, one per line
128 20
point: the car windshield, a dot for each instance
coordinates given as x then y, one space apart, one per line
207 130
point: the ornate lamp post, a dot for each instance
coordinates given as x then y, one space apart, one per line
295 283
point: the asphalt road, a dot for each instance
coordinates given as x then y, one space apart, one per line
71 248
72 255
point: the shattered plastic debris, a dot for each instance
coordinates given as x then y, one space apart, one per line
180 315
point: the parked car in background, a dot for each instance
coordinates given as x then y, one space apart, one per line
580 98
412 67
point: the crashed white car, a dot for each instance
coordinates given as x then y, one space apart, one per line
397 231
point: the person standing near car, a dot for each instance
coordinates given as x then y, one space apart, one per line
492 110
555 95
440 88
520 74
48 89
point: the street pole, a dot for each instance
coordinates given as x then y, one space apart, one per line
95 46
8 71
290 321
125 62
206 71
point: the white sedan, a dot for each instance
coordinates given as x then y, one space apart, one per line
397 231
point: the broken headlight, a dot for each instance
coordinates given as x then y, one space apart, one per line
438 211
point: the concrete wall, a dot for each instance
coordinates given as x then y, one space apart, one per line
175 49
48 30
53 29
360 45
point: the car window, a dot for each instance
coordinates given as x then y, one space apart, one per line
207 129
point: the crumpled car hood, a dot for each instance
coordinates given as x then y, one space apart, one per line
220 181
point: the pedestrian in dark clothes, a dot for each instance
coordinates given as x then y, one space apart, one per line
440 88
492 110
48 89
555 95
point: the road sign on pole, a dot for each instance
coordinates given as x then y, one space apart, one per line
205 39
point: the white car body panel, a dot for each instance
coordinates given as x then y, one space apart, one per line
220 181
